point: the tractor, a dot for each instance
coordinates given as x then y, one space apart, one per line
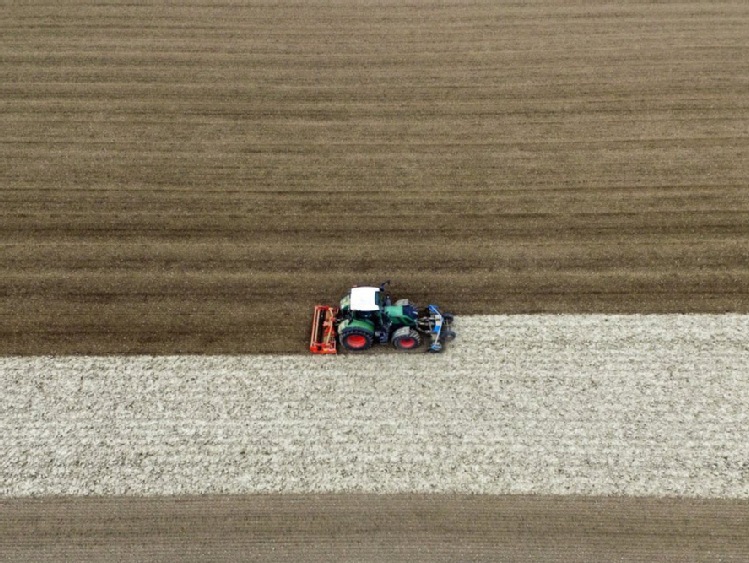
368 316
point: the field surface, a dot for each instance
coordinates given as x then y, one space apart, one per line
364 528
191 178
583 405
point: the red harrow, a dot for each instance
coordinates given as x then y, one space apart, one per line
323 339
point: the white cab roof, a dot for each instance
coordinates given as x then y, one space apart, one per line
364 299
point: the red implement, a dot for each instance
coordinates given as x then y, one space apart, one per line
323 340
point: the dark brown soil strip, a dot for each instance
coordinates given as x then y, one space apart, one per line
374 528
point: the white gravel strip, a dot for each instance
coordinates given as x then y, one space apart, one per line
576 404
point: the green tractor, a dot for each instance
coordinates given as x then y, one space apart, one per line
367 316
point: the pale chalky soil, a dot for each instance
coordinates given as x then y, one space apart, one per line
634 405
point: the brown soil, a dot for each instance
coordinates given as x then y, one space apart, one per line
194 178
373 528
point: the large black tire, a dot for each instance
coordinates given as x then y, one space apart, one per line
356 339
411 340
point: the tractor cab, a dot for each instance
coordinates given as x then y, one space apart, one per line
364 299
366 305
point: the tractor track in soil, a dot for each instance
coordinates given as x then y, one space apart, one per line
193 178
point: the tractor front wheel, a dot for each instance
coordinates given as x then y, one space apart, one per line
356 339
408 341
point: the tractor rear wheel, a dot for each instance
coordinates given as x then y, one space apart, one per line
356 339
408 341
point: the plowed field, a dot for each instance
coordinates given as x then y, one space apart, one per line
192 177
318 528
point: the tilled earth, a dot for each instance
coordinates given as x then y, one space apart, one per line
193 177
427 528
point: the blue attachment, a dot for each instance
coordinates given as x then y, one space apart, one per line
436 328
